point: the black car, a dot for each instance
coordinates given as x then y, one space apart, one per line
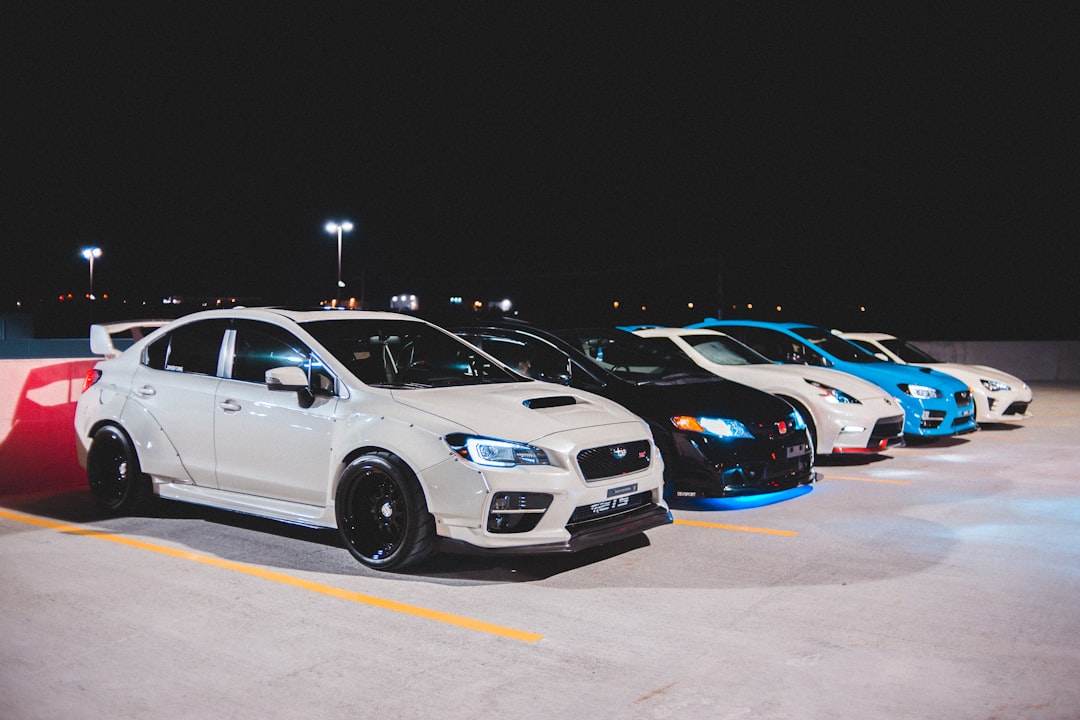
717 437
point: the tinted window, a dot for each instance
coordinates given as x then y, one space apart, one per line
908 352
835 345
404 353
634 358
529 356
192 348
724 350
261 346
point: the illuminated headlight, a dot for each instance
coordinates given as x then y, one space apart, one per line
994 385
495 453
921 391
831 394
720 427
797 421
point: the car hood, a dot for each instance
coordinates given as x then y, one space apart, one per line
523 412
890 375
973 373
778 376
709 398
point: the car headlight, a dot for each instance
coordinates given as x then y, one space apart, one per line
495 453
831 394
920 391
720 427
994 385
797 421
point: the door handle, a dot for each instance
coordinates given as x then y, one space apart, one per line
146 391
229 406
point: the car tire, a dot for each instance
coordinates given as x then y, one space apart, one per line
382 514
113 473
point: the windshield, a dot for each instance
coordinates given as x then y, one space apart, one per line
908 352
724 350
634 358
403 353
835 345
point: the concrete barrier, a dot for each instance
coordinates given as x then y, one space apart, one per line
1029 361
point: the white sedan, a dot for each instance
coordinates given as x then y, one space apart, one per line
394 431
999 396
843 413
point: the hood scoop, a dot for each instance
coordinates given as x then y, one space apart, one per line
549 402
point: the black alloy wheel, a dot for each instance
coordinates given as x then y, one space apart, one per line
113 473
382 515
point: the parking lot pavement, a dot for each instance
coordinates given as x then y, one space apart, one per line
937 581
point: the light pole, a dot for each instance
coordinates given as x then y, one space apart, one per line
332 227
91 253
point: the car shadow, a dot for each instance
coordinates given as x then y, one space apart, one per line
851 459
271 543
947 441
1000 427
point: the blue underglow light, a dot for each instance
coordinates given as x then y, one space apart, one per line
741 502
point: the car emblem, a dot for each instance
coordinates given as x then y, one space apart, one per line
618 453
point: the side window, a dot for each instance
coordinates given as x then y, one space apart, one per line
193 348
261 346
764 341
531 358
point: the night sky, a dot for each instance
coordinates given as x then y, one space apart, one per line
917 161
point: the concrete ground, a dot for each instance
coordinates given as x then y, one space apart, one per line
938 581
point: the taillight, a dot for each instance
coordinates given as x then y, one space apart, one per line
92 376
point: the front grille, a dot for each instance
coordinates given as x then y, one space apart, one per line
886 429
614 460
963 398
770 430
932 419
609 507
1017 408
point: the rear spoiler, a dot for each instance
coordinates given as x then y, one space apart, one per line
102 336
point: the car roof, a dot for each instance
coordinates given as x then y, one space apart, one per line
300 315
713 322
867 336
675 332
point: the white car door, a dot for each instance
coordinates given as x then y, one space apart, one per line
267 443
171 406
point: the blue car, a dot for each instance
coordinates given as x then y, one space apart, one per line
935 404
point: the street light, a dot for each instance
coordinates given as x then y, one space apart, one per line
91 253
333 227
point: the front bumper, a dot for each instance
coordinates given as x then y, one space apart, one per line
702 466
937 417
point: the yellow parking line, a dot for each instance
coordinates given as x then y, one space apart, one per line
740 528
282 578
867 479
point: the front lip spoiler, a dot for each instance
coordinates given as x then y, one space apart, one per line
584 536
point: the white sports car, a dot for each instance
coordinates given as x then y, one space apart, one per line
999 396
394 431
843 413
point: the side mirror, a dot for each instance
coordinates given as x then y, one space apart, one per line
291 379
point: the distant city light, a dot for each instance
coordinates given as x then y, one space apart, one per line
690 306
778 308
615 304
505 304
404 302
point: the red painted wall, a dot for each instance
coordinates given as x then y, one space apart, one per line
37 435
